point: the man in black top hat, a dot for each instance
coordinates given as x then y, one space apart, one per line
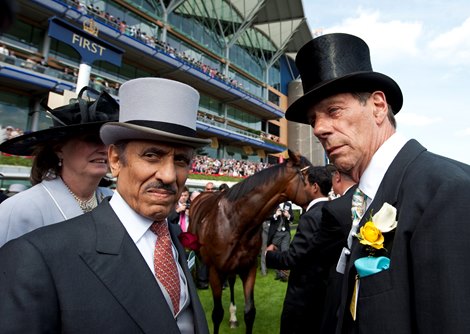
405 259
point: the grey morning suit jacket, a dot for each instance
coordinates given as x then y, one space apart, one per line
85 275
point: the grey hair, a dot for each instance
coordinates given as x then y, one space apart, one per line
362 97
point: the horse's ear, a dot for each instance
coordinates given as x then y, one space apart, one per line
295 157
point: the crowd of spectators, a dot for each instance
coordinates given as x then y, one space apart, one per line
9 132
153 41
226 167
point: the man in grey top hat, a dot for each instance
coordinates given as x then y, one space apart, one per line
405 259
120 267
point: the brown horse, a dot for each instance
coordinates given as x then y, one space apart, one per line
228 227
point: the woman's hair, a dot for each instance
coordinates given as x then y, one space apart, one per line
46 162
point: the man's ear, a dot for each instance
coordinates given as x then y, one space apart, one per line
380 106
113 160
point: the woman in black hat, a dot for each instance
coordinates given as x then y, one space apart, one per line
69 162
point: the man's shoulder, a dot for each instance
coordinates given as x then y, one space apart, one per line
340 202
431 166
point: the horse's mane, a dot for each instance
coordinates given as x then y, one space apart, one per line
262 177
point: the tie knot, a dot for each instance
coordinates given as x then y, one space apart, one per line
359 197
358 204
159 228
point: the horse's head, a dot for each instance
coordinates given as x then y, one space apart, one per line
297 166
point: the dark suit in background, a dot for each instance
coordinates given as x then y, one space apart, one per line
303 304
279 233
336 220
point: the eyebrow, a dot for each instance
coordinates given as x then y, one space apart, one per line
185 157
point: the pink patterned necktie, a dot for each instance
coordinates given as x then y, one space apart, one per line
165 265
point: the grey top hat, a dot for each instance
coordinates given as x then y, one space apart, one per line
155 109
338 63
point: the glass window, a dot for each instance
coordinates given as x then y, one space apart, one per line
14 109
211 105
274 129
31 37
244 119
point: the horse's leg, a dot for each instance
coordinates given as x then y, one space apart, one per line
216 287
233 308
248 279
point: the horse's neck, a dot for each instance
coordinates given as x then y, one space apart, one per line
263 204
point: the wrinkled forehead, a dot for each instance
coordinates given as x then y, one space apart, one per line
163 147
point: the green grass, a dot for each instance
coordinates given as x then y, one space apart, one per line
15 161
219 178
269 297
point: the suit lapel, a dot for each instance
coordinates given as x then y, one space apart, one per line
389 187
388 192
118 263
200 322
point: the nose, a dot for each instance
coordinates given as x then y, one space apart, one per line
166 172
321 126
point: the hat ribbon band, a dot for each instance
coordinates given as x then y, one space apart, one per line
167 127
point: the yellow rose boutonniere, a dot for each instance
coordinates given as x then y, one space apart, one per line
371 234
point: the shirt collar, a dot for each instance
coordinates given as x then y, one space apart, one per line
380 162
315 201
135 224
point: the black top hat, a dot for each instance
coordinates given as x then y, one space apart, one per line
81 116
338 63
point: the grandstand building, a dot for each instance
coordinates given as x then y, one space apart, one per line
239 54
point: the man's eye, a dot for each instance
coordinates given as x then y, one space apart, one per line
151 155
182 161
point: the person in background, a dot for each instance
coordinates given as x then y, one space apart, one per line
180 215
303 305
264 245
119 268
224 187
69 162
193 195
405 258
279 233
337 219
4 51
15 188
209 186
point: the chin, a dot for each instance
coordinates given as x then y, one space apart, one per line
343 165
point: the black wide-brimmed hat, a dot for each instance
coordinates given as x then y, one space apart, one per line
338 63
80 116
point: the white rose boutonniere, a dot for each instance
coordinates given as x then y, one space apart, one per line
385 219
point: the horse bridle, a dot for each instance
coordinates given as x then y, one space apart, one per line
301 172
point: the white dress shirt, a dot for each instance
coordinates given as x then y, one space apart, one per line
138 228
379 164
